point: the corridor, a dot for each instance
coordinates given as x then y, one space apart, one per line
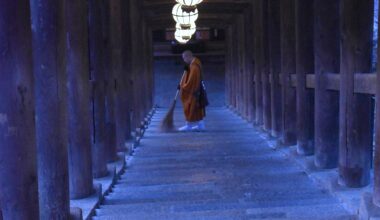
228 172
293 128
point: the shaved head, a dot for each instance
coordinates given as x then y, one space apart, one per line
187 56
187 53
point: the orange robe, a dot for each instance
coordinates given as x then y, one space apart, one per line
190 85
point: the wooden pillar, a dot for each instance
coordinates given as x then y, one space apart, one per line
263 64
247 56
245 69
144 71
274 44
235 69
149 67
232 54
238 71
327 53
96 44
240 65
49 42
258 59
288 67
110 90
151 70
249 63
126 65
135 27
376 169
79 118
116 46
18 166
228 57
267 107
355 144
305 65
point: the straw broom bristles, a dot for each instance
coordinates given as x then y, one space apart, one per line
167 124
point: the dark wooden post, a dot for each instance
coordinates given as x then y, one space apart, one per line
235 66
244 63
144 71
135 51
232 69
250 99
327 53
150 68
241 64
267 113
77 64
126 65
49 42
288 67
233 77
18 166
248 53
355 144
376 193
147 55
275 66
121 104
110 89
237 73
258 58
228 57
305 65
238 27
232 65
262 64
96 44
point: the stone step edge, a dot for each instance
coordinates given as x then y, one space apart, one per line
330 185
86 208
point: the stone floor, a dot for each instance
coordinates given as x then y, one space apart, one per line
224 173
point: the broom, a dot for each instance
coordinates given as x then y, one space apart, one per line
167 124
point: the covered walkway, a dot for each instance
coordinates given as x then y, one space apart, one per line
229 172
81 79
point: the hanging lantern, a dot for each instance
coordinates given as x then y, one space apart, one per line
185 36
184 16
187 31
181 40
181 37
189 2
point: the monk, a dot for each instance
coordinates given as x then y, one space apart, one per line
190 87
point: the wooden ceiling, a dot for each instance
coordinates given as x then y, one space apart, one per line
212 13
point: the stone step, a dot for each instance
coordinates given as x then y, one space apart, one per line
262 199
318 212
228 172
328 207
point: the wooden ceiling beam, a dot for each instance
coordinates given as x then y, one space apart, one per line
172 2
205 20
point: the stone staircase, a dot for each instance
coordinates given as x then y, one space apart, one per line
224 173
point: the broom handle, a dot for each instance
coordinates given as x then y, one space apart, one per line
178 90
176 95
